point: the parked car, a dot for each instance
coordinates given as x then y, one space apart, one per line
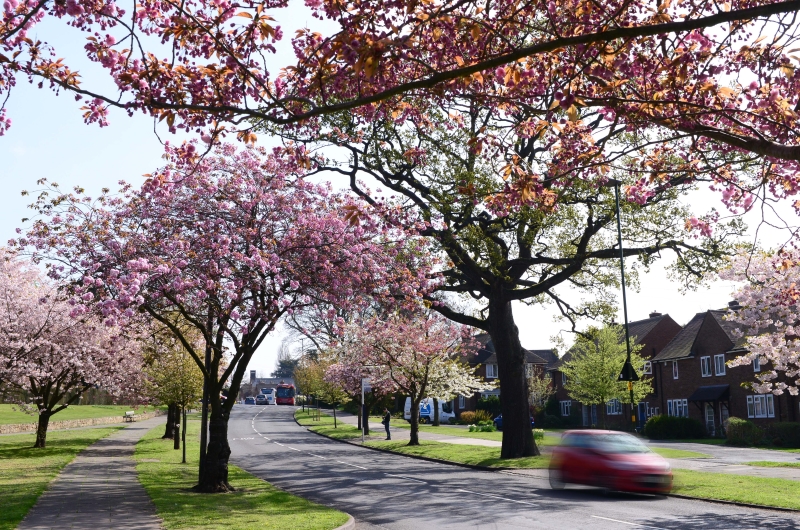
426 410
250 400
261 399
608 459
498 422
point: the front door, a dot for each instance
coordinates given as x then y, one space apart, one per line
585 411
723 415
710 419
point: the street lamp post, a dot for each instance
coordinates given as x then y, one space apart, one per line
628 373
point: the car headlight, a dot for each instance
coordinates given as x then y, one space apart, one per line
667 467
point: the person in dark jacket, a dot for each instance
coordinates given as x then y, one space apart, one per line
387 418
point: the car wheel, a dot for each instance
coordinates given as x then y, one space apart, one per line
556 479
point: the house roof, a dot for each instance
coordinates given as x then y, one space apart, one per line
710 393
530 357
548 355
681 345
641 328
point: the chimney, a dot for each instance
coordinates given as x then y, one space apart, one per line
655 314
733 305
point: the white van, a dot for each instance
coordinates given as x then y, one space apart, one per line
426 410
269 393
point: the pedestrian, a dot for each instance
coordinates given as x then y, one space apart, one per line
387 418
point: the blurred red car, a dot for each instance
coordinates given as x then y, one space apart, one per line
609 459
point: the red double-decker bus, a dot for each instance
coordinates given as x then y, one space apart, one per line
284 394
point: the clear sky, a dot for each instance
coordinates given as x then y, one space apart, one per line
48 139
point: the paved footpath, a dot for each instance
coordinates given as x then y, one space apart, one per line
99 489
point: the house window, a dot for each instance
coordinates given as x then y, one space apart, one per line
719 364
756 364
491 371
674 369
613 407
528 370
563 379
462 402
705 366
761 406
678 407
565 407
648 367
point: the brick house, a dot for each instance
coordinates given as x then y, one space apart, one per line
694 380
484 359
653 334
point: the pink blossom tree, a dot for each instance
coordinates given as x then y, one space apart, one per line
417 354
229 243
769 318
48 359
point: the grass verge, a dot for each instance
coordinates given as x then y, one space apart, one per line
254 504
25 472
475 455
12 414
764 463
324 426
781 493
668 452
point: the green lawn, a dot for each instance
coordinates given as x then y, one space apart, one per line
463 454
764 463
450 430
254 505
25 472
324 426
668 452
778 492
12 414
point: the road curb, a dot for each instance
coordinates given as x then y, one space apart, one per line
513 470
349 524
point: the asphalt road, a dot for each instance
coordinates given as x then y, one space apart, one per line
395 492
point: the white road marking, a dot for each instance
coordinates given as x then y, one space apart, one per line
278 443
407 478
322 457
498 497
351 465
293 449
626 522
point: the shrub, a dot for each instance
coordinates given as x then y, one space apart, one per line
783 434
552 407
469 417
671 427
490 404
538 435
742 432
483 426
552 422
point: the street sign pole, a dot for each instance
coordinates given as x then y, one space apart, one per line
365 387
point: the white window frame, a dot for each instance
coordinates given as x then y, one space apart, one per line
563 379
678 408
719 364
648 367
462 402
761 406
756 364
705 366
613 407
566 407
674 369
669 408
491 371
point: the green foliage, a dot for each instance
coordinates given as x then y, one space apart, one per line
25 471
552 408
665 427
538 435
783 434
469 417
490 404
483 426
596 361
743 432
254 504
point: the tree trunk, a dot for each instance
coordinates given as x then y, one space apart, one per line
41 429
215 468
414 421
517 434
435 412
334 417
172 419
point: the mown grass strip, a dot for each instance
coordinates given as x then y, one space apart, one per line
475 455
668 452
25 472
777 492
255 504
12 413
324 425
765 463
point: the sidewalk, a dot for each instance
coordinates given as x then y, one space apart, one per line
99 489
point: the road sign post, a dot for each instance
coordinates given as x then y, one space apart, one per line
365 387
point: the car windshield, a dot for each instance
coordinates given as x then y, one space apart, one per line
619 443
